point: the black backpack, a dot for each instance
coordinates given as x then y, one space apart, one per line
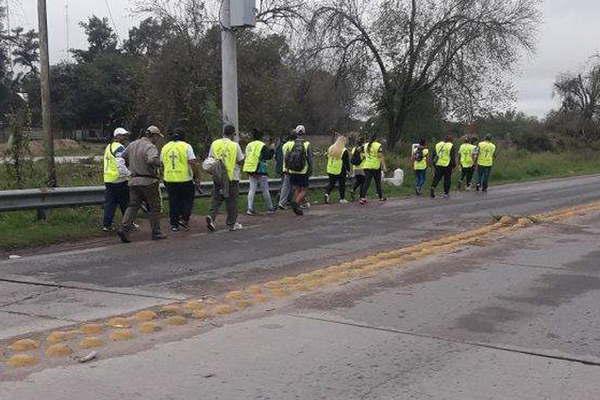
296 158
419 154
357 158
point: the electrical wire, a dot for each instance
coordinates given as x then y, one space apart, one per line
112 19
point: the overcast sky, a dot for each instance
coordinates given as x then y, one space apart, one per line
569 35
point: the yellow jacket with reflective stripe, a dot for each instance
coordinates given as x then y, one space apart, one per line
253 151
444 153
372 160
487 150
111 170
174 157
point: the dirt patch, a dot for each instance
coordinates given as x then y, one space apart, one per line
36 147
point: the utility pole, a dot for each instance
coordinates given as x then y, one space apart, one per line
229 69
45 85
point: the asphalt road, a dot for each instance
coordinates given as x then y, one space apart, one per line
515 318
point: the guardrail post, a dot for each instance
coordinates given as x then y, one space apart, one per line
42 214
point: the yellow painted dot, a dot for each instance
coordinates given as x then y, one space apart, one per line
201 314
24 345
146 315
254 289
91 329
149 327
235 295
22 360
91 343
289 281
273 285
224 309
261 298
57 337
121 335
176 320
119 322
242 304
193 305
279 293
171 309
58 350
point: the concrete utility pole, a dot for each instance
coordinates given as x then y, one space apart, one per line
45 84
229 68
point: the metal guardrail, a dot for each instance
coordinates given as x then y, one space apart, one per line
40 199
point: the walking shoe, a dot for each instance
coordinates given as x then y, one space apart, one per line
236 227
343 201
185 225
272 211
363 202
210 224
446 196
305 206
107 229
252 213
326 198
158 236
432 193
297 209
478 187
383 199
283 208
123 236
174 228
135 227
417 192
469 188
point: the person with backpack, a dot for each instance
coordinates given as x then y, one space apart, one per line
116 192
485 160
181 176
285 193
255 165
228 153
420 163
444 161
299 163
466 154
338 168
374 167
357 160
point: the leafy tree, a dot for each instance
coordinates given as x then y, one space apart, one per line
101 38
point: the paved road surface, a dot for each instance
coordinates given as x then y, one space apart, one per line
514 319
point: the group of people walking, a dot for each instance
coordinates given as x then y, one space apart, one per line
132 180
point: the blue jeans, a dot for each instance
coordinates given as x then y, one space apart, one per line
483 177
421 176
116 196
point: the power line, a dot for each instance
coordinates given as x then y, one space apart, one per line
111 18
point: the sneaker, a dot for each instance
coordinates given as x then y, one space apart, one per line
174 228
236 227
135 227
363 202
326 198
185 225
283 208
432 193
158 236
123 236
446 196
305 206
297 210
478 188
272 211
383 199
252 213
107 229
343 201
210 224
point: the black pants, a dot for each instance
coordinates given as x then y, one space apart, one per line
372 174
359 181
341 180
467 175
115 195
181 201
446 174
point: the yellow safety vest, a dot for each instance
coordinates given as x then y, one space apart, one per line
253 151
175 162
466 155
287 147
486 154
444 152
372 160
111 171
421 165
334 165
226 151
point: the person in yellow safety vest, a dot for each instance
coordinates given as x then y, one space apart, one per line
357 160
485 160
230 154
467 153
420 161
374 167
298 161
444 161
255 165
338 168
181 174
116 192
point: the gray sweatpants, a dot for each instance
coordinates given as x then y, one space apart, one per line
263 182
286 190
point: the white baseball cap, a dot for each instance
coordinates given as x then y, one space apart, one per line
120 132
300 129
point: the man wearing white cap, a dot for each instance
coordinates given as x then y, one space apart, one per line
115 179
143 160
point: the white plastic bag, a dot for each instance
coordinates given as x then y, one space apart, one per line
397 179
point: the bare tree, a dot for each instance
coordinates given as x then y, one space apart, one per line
580 96
410 47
